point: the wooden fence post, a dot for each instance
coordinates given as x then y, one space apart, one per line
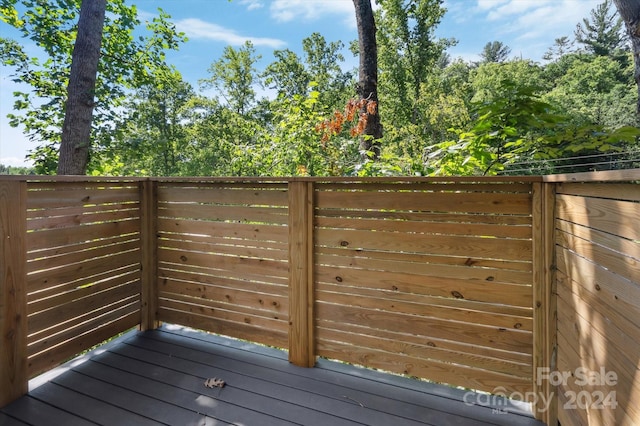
14 379
545 406
149 245
301 295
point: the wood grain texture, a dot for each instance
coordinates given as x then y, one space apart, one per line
13 292
401 269
301 285
598 254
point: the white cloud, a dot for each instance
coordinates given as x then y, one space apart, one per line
515 8
490 4
252 4
530 26
288 10
15 162
198 29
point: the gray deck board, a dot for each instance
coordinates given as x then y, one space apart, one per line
157 377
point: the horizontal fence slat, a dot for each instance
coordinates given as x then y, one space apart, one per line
238 330
74 197
224 247
439 228
48 359
227 298
67 221
453 245
510 271
400 185
106 278
627 267
90 251
616 191
492 353
255 283
391 304
61 295
477 290
622 293
218 213
457 217
458 375
41 320
82 324
259 232
473 334
211 309
36 217
228 264
81 273
50 238
470 202
612 216
497 309
398 344
624 247
227 196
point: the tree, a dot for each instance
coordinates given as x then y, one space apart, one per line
287 74
126 63
593 89
488 79
630 13
323 65
152 139
368 75
76 130
602 33
518 132
233 76
561 47
409 51
495 51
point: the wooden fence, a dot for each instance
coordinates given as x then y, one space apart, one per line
445 279
598 302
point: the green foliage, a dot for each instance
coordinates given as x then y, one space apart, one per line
441 116
150 140
127 63
488 79
322 65
407 53
233 77
495 51
287 74
603 33
516 126
13 170
597 89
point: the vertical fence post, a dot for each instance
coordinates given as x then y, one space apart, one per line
544 302
301 296
149 244
13 293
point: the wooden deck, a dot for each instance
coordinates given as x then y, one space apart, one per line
157 377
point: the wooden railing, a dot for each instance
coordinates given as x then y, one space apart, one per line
449 280
598 298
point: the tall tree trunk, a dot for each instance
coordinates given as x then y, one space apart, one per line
629 11
76 130
368 75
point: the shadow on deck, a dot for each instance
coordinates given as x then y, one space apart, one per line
157 377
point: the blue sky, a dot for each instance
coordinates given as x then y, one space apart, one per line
529 27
